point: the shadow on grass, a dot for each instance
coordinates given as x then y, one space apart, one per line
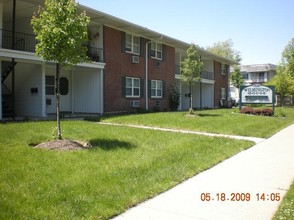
111 144
208 115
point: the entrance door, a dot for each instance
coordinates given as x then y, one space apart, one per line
65 96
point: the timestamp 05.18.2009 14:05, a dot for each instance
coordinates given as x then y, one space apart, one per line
240 197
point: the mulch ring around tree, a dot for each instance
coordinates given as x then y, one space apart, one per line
64 145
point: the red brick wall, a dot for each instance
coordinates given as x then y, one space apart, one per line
221 81
118 64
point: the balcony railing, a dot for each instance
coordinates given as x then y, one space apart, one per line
95 54
22 41
27 42
205 74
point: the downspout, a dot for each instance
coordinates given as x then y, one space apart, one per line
146 75
201 87
13 60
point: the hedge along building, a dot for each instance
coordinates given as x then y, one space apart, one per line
132 67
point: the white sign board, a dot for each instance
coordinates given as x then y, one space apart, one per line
257 94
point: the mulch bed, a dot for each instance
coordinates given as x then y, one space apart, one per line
64 145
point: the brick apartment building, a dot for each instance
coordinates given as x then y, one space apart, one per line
133 67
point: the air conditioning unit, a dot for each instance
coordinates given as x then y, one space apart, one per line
135 59
135 104
157 63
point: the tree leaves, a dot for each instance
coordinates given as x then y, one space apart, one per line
236 77
192 66
61 32
226 50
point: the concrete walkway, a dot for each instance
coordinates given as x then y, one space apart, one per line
260 174
254 139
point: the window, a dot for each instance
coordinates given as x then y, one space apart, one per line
261 77
156 89
50 85
132 87
132 44
156 50
223 69
223 93
245 76
63 86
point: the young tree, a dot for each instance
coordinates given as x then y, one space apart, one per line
225 49
61 33
191 69
236 77
288 57
283 82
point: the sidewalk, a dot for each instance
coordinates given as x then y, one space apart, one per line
265 169
254 139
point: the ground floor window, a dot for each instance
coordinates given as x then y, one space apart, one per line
156 89
50 85
223 93
132 87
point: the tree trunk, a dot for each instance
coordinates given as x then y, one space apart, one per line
191 96
58 101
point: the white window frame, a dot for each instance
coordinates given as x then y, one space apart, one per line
133 87
223 93
156 50
223 69
131 46
157 89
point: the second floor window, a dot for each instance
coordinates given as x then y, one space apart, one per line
223 69
156 50
245 76
132 44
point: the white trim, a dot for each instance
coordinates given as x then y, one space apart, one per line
0 92
43 108
209 81
32 57
102 93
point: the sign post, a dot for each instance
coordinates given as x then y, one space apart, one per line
257 94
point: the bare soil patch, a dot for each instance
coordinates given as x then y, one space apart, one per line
64 145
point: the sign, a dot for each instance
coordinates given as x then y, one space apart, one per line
257 94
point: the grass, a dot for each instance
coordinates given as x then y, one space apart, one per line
286 208
221 121
125 166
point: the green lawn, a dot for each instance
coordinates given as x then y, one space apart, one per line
221 121
124 167
286 209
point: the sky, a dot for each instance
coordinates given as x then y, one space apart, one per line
259 29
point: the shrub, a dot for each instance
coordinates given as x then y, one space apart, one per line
258 112
174 98
251 111
247 110
267 112
94 118
280 113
